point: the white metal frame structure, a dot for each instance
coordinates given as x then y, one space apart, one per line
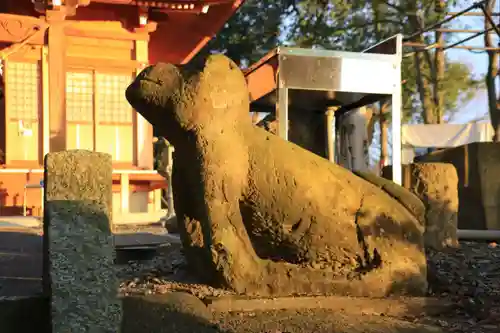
375 71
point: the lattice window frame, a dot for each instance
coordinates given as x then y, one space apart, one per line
80 108
112 106
23 96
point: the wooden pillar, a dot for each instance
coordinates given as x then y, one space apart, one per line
143 129
157 200
151 201
124 193
45 103
329 137
56 42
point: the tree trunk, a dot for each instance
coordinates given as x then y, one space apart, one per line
491 75
423 90
423 86
439 65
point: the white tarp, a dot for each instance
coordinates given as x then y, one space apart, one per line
445 135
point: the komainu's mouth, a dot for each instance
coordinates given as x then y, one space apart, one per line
154 87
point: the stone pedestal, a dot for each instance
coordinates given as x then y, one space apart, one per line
436 184
79 276
478 168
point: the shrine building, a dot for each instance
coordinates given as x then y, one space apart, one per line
65 67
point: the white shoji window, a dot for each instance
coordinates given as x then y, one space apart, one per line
23 80
112 104
80 96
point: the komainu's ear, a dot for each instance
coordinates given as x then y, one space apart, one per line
224 85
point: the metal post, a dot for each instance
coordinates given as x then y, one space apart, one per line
396 127
25 196
282 109
170 193
42 197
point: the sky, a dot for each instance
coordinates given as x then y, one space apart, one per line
478 62
478 106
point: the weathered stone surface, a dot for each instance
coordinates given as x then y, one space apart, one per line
79 276
403 196
263 216
436 184
478 168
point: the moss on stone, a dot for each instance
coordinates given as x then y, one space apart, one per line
79 276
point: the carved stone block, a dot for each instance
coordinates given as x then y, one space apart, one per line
79 276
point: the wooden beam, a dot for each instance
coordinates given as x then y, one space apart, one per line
477 48
261 80
463 47
16 28
89 62
104 34
162 4
471 31
471 14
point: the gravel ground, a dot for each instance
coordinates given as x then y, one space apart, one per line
468 275
162 273
317 321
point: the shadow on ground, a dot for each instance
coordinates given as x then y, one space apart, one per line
23 308
20 263
176 313
21 259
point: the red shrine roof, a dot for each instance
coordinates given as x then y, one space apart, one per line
183 27
180 36
179 5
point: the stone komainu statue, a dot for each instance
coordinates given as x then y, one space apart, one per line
263 216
